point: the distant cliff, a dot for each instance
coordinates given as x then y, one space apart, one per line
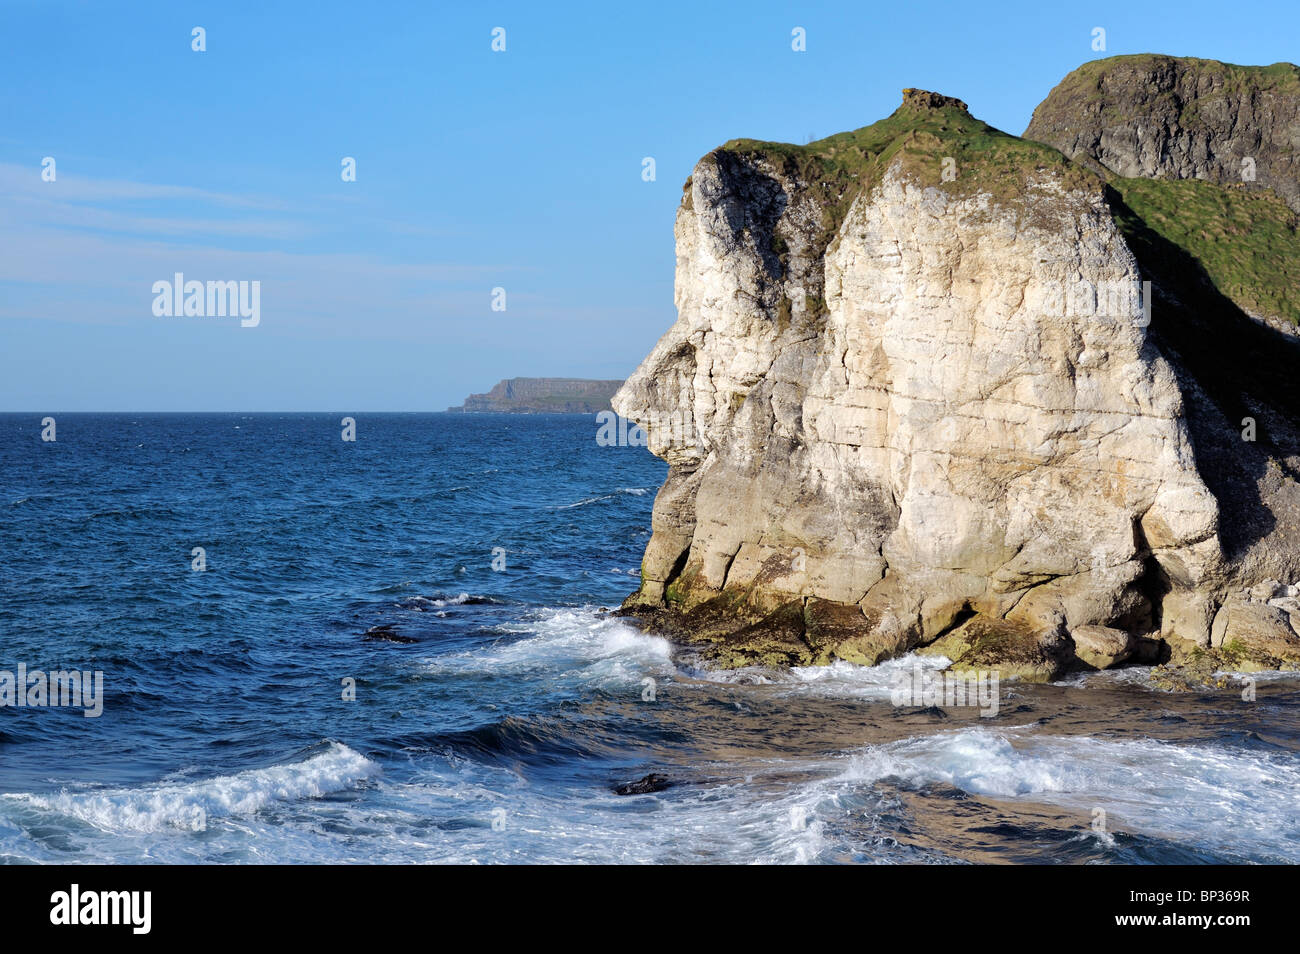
544 395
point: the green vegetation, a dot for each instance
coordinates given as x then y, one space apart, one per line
919 136
536 395
1083 87
1246 240
1283 77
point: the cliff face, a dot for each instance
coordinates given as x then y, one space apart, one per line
541 395
912 398
1162 116
1205 153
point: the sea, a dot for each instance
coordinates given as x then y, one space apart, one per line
399 649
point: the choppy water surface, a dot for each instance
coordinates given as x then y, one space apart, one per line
501 709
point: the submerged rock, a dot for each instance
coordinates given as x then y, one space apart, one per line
385 633
645 786
913 392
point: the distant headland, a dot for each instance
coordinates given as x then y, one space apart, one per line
544 395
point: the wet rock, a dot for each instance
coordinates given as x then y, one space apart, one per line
646 785
1198 670
1149 650
1251 636
1011 648
1102 646
776 639
385 633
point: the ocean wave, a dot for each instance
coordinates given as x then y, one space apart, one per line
438 602
577 643
1140 676
586 501
459 600
1226 799
535 739
840 679
332 767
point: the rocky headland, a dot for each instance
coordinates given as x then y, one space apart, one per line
544 395
919 395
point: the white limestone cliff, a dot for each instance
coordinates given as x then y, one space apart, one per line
939 416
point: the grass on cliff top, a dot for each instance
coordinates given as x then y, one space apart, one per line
1282 76
920 137
1246 240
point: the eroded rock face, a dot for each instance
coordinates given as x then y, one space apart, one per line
921 425
1259 624
1011 648
1156 116
1102 646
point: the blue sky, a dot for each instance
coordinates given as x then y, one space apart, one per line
475 170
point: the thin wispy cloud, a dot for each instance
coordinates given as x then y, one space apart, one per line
70 215
75 241
20 180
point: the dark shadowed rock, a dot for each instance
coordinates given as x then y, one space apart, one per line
645 786
386 634
1173 117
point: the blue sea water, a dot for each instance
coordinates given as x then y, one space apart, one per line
498 708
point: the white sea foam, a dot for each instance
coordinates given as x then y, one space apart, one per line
575 643
632 491
840 679
1208 795
765 811
749 817
192 805
1234 801
1141 676
449 601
